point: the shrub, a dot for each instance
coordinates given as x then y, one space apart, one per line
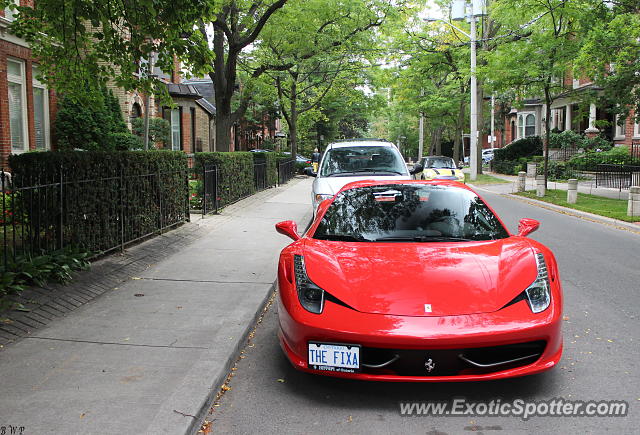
106 197
529 146
57 266
235 173
89 126
508 167
159 130
125 141
566 139
590 160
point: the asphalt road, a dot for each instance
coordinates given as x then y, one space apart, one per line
600 271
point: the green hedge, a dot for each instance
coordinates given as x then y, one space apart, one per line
526 147
508 167
106 197
235 173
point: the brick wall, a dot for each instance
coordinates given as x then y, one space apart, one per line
202 128
11 50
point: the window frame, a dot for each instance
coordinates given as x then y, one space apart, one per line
178 113
37 84
22 81
619 130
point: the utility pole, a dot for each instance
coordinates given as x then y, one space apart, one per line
421 131
147 104
473 160
493 121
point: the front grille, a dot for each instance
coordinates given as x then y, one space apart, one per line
449 362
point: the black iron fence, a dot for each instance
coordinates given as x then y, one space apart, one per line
97 215
103 214
563 154
617 176
635 150
260 176
209 194
286 170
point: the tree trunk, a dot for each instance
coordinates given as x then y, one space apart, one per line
293 119
436 141
547 132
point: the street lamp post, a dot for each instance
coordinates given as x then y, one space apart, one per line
457 14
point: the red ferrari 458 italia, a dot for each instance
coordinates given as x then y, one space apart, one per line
417 281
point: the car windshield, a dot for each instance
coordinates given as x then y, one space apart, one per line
347 161
441 162
409 212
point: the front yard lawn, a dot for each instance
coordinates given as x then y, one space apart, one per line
613 208
484 179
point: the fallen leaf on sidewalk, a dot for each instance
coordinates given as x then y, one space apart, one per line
225 388
82 415
135 277
281 380
350 419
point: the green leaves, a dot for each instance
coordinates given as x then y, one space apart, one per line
24 271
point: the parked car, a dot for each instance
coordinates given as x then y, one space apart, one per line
399 280
347 161
299 158
258 150
439 168
487 155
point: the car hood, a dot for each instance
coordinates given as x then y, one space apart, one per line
332 185
400 278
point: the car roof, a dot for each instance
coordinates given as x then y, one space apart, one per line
437 157
361 143
368 183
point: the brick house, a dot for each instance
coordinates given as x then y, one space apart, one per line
27 107
192 121
566 115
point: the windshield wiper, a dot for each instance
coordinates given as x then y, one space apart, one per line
363 170
341 238
422 239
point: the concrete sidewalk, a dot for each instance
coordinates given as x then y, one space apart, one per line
584 186
149 356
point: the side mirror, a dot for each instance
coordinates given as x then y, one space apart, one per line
288 228
416 168
527 226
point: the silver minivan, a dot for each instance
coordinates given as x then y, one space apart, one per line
357 159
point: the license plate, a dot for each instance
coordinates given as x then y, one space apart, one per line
334 357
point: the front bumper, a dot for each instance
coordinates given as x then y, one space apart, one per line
417 339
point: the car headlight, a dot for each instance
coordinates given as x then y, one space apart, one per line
539 293
319 197
311 296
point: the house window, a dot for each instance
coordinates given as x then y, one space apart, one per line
636 129
176 133
619 128
17 105
520 126
40 112
9 13
526 125
530 125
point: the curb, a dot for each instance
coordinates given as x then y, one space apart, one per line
223 372
618 224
